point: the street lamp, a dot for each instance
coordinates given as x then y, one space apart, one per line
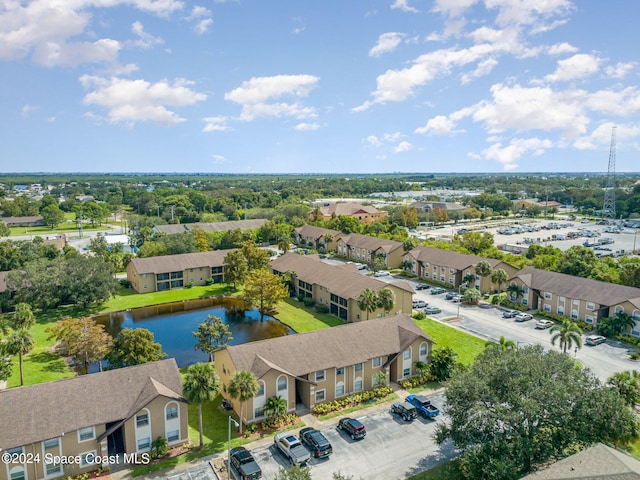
465 285
229 445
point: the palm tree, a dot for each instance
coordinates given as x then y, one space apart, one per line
275 408
20 342
368 301
503 345
201 384
483 268
623 321
23 318
243 386
515 292
327 239
499 276
628 385
568 334
386 299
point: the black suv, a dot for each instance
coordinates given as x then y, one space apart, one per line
243 463
316 442
353 427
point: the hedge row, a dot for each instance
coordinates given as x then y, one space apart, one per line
349 401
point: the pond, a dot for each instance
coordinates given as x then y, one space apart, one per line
172 325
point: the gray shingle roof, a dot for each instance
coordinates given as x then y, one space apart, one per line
347 209
602 293
344 281
457 260
370 243
47 410
340 346
183 261
211 227
311 231
595 462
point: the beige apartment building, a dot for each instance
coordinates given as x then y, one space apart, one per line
316 237
80 424
364 249
362 213
310 368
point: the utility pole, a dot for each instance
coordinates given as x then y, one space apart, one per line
80 224
609 205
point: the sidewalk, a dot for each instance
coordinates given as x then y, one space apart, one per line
309 420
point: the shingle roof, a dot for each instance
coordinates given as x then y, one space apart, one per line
182 261
595 462
47 410
303 353
370 243
602 293
211 227
457 260
344 281
347 209
312 231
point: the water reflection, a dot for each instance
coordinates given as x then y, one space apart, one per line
173 324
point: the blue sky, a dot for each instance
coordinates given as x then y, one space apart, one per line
294 86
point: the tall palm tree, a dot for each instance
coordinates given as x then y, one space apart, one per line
503 345
327 239
201 384
483 268
515 292
568 334
23 318
623 321
368 301
20 342
499 276
243 386
628 385
386 299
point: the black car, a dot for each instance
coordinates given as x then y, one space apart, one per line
422 286
353 428
244 464
316 442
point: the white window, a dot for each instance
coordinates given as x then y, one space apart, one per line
561 299
173 435
546 307
576 302
591 306
561 310
406 355
282 383
358 385
260 388
339 389
258 412
172 411
339 371
588 318
574 314
320 395
86 458
51 443
358 367
547 295
320 376
52 469
376 362
525 290
144 443
424 349
17 473
451 270
406 372
142 420
87 433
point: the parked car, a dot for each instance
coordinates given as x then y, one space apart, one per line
523 317
361 266
437 290
353 428
450 295
422 286
457 299
542 324
381 273
509 313
316 442
292 448
595 340
405 410
419 303
244 464
432 310
424 406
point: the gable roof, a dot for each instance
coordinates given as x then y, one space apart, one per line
211 227
602 293
344 281
182 261
83 401
597 461
311 231
457 260
303 353
370 243
347 209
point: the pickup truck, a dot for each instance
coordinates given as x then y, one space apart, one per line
244 464
423 405
405 410
292 448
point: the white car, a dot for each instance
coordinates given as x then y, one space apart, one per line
595 340
419 304
542 324
523 317
381 273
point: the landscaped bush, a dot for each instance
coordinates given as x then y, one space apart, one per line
125 283
628 339
513 306
308 302
419 315
321 308
424 376
278 422
351 400
300 297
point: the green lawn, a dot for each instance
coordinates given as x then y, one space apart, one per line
64 227
467 346
445 471
302 319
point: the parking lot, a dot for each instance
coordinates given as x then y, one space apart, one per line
392 449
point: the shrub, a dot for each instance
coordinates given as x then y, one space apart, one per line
513 306
159 447
251 428
320 308
208 281
635 356
348 401
419 315
300 297
308 302
125 283
188 285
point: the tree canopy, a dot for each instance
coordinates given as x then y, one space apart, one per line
264 290
134 346
212 335
82 339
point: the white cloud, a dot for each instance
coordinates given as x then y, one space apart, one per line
306 127
387 42
403 147
215 124
202 18
620 69
27 109
219 159
561 49
528 12
404 6
453 8
508 155
579 66
392 137
132 101
145 40
484 68
439 125
254 94
374 141
601 136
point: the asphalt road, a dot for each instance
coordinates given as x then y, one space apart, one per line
392 449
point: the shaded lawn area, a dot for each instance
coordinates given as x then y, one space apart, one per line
301 319
445 471
467 346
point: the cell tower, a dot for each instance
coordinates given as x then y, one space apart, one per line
609 206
